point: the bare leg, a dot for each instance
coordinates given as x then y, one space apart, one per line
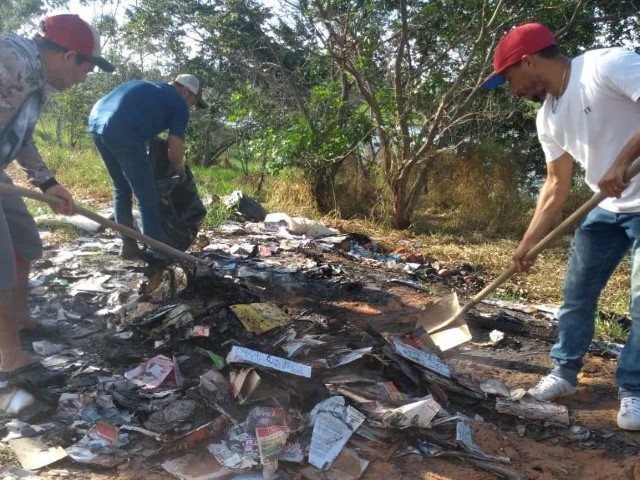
11 354
21 298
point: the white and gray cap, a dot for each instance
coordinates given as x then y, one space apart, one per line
193 85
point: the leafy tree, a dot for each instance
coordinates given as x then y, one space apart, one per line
19 14
313 83
267 79
70 109
419 64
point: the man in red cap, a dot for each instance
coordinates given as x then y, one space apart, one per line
61 55
589 114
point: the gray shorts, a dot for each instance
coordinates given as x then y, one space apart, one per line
18 236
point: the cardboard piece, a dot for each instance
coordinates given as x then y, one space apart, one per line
260 317
533 409
385 393
245 355
243 383
464 438
33 453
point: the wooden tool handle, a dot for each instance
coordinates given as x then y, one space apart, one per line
8 189
551 237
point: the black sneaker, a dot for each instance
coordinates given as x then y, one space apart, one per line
154 258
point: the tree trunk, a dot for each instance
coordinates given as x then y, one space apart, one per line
323 187
402 211
401 214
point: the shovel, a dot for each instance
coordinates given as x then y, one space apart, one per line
8 189
450 309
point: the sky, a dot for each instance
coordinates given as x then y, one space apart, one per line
88 12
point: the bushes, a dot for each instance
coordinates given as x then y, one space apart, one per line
480 190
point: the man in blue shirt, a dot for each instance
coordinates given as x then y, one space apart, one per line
121 123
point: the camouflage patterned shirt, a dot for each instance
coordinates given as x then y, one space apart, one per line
22 94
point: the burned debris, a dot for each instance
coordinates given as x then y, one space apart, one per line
234 371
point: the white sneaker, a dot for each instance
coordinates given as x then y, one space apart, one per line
629 414
552 386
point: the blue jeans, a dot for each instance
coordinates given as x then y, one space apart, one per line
600 242
131 173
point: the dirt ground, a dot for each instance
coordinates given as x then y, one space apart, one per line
537 453
593 448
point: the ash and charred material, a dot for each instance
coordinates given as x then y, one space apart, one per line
328 310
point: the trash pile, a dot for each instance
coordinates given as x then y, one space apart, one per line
199 372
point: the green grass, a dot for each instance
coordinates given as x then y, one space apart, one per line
609 327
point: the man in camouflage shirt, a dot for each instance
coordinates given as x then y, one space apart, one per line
60 56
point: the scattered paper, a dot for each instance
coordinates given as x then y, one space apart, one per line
511 305
230 458
301 345
12 472
198 331
495 387
159 371
91 285
333 424
496 336
343 358
260 317
429 361
46 348
416 414
292 452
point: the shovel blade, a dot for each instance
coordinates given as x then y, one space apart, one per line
437 315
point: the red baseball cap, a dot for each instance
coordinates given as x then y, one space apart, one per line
72 33
523 40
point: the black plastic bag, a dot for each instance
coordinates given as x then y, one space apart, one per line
181 210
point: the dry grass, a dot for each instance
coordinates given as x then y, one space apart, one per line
449 240
542 284
291 195
491 251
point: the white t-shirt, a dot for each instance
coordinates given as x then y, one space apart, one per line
595 117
